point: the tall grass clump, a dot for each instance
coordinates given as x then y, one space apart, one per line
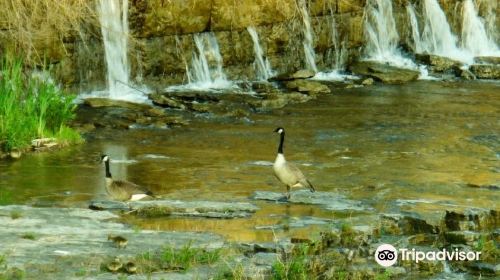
33 27
32 107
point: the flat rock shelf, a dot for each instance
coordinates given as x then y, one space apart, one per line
327 200
158 208
53 239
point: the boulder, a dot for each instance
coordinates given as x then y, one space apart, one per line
384 72
307 86
165 101
438 63
486 71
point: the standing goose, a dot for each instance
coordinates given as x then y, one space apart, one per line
123 190
287 172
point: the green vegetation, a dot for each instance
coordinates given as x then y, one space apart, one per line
5 197
32 107
295 265
29 236
173 259
15 214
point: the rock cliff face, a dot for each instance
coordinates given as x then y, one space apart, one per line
161 37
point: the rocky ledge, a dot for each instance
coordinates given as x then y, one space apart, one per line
327 200
158 208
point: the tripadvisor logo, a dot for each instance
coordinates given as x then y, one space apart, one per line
386 255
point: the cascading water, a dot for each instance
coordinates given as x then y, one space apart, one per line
437 37
206 72
113 17
338 56
382 36
261 64
474 36
417 41
308 42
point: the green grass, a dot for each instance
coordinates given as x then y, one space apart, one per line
15 214
29 236
184 258
295 266
32 107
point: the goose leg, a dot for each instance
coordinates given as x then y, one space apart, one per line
287 192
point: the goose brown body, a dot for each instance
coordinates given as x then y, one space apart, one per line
123 190
287 172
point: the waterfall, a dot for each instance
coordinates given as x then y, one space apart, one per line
417 41
339 47
490 16
338 57
308 38
382 35
261 64
206 72
113 17
437 37
474 36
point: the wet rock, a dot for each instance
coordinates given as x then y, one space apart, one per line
367 82
466 74
487 59
489 187
265 258
307 86
384 72
301 74
105 102
438 63
462 237
481 268
408 224
486 71
423 239
77 236
164 101
295 222
471 219
110 114
156 208
327 200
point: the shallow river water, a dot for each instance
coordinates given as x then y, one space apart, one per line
412 147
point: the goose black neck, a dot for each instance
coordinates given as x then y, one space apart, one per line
282 139
108 174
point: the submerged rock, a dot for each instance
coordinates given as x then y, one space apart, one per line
486 71
384 72
327 200
408 224
155 208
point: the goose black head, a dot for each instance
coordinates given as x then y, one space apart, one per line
279 130
104 158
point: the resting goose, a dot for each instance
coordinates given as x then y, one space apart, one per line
287 172
123 190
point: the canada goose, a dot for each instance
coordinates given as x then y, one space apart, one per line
123 190
119 241
287 172
115 265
